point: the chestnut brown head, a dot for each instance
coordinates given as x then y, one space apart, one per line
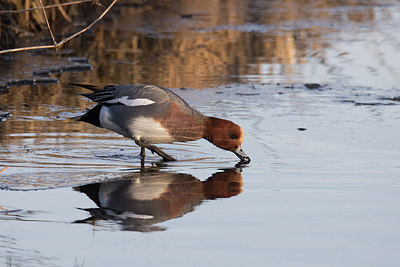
226 135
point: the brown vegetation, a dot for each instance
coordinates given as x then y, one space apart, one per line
26 17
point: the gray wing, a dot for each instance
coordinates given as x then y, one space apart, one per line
129 95
137 95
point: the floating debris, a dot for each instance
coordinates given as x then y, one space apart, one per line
3 115
289 86
312 86
77 67
247 94
45 80
395 98
60 69
18 82
42 72
78 59
357 103
3 87
32 81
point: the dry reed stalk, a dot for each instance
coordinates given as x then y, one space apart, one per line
65 40
48 25
48 6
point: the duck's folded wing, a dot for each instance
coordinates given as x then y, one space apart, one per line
140 95
128 95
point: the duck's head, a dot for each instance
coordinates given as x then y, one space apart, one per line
226 135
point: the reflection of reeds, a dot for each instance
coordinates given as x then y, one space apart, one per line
223 42
7 27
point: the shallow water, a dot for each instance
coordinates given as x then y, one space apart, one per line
323 184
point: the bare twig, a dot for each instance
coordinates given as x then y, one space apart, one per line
88 27
49 6
26 48
62 42
48 25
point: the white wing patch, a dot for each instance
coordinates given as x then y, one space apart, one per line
112 101
135 102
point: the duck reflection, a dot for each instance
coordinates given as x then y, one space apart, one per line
143 199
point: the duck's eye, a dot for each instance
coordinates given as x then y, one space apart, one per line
233 136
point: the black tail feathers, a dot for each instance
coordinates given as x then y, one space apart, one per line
92 116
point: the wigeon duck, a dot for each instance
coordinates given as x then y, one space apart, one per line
151 114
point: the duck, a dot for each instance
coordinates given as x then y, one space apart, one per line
150 114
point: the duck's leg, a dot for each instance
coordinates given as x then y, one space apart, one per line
161 153
142 153
153 149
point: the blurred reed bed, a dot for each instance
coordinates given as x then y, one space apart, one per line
21 18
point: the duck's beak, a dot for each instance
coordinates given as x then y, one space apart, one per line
243 157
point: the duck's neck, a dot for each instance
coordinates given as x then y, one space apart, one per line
210 128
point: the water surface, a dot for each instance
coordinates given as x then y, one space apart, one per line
323 184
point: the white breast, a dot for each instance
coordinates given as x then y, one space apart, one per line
143 128
140 128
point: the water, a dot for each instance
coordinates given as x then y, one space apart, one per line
323 184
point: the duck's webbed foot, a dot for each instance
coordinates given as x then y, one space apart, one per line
153 149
